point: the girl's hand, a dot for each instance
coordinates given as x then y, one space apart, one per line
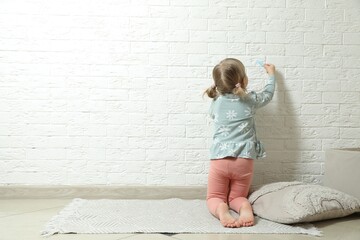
270 68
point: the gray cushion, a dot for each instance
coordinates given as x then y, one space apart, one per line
294 202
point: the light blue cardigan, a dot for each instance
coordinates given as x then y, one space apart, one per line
234 124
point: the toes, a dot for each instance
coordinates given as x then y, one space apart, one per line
234 225
241 223
230 224
249 224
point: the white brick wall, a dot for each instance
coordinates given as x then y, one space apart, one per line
110 92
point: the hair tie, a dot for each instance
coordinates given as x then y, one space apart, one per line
238 85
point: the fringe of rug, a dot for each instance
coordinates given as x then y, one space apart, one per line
52 227
310 229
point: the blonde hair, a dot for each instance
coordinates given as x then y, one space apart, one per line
229 77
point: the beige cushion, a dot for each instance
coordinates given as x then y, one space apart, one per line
294 202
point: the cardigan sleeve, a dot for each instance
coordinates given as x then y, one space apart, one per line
260 99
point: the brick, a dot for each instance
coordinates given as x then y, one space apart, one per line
323 62
352 15
184 143
350 62
327 109
189 3
170 179
118 178
304 73
229 3
284 37
247 37
165 154
226 48
339 143
324 14
192 72
158 2
246 13
268 3
165 131
227 25
208 12
266 25
174 167
175 119
345 97
196 179
310 168
194 107
197 131
259 49
349 133
168 59
337 26
310 156
196 155
350 109
12 154
304 26
326 38
187 24
285 13
303 50
208 36
341 4
306 4
313 85
310 97
343 51
320 133
305 121
147 142
286 61
195 48
169 12
303 145
205 60
149 47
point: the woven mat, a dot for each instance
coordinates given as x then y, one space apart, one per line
154 216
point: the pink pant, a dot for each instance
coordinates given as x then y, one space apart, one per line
229 182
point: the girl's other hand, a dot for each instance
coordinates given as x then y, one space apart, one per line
270 68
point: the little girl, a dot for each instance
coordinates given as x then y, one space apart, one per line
235 143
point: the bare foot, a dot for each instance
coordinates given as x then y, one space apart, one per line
246 218
226 219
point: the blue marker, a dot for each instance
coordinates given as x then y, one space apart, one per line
260 63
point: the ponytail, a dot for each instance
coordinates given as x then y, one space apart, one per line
239 91
211 92
240 87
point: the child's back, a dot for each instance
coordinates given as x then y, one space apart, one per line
235 132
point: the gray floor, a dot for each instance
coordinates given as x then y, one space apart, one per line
25 218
